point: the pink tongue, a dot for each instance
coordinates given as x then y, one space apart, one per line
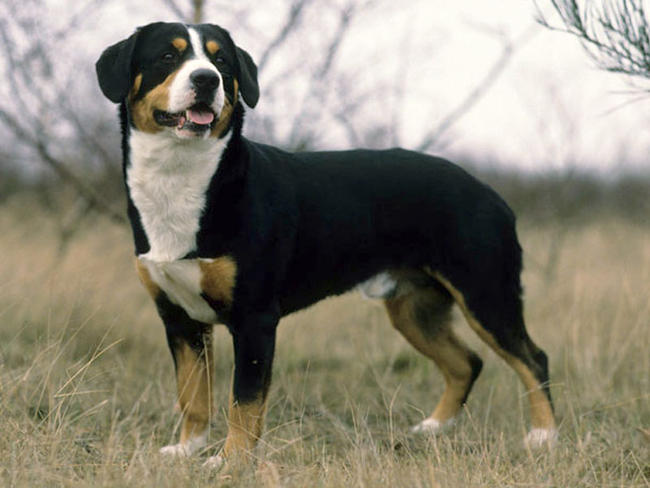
201 118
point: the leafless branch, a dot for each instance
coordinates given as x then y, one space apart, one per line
320 74
173 6
197 11
76 18
289 26
38 95
94 199
481 88
615 34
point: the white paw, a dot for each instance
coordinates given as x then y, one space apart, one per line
175 450
432 426
187 448
538 438
215 462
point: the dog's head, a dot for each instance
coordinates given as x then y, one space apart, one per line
182 79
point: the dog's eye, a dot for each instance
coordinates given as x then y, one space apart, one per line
220 60
168 57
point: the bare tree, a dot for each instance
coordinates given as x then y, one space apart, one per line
179 9
509 46
615 33
39 105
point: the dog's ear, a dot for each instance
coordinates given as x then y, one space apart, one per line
114 69
248 86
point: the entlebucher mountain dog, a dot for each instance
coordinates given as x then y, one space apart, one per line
232 231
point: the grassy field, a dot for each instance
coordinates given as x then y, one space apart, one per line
87 385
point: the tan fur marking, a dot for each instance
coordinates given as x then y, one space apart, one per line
212 46
245 424
218 278
541 413
145 279
226 112
444 348
180 44
194 388
143 109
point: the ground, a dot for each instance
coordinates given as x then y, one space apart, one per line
87 384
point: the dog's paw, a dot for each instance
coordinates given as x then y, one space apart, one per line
432 426
538 438
215 463
175 450
186 448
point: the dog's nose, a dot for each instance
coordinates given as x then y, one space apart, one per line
204 79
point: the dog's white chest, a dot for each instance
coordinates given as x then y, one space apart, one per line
167 181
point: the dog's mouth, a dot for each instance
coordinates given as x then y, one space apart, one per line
197 119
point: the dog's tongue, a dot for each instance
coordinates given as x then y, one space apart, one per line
200 117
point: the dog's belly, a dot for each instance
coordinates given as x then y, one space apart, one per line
187 283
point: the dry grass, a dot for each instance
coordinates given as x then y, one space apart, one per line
87 392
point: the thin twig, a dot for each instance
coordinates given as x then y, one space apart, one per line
97 202
481 88
293 17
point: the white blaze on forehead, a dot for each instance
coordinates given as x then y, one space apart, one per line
197 45
181 92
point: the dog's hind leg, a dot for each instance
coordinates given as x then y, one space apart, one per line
420 311
496 316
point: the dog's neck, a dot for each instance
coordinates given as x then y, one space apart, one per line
167 180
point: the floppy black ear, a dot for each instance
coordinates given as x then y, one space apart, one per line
248 86
114 69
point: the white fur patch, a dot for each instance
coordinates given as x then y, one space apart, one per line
379 286
181 282
432 426
538 438
187 449
167 179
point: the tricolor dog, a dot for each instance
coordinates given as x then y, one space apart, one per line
232 231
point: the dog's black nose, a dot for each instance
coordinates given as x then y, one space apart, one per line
204 79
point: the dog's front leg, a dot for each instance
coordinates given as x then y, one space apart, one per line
190 343
254 344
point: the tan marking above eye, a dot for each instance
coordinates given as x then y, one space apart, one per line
212 46
180 43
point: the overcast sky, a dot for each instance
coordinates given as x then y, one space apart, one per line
550 108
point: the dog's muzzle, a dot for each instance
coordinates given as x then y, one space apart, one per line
198 118
197 115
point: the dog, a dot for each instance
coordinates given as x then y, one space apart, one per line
231 231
